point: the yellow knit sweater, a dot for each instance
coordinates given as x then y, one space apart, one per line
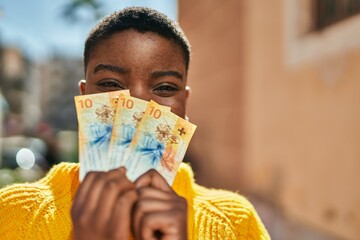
41 210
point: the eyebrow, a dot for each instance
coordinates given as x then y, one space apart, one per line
159 74
110 68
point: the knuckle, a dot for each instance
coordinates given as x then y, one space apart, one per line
124 185
111 185
152 172
128 197
115 173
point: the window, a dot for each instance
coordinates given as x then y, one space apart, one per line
328 12
307 37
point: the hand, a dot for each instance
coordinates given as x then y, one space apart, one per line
102 206
159 212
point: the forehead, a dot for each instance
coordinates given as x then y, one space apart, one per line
131 44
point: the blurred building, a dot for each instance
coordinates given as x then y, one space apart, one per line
36 90
37 106
276 96
15 72
59 84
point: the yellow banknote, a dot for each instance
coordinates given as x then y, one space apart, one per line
128 115
160 143
95 113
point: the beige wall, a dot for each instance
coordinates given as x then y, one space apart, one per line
214 72
278 112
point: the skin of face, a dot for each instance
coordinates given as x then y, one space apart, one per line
150 66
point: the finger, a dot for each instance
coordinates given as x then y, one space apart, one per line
153 179
120 223
108 199
154 193
169 225
148 206
82 191
90 201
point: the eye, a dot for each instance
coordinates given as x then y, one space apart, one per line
109 84
166 90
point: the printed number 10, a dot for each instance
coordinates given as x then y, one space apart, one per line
87 103
128 103
155 112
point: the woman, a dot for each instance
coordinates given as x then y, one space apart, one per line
144 51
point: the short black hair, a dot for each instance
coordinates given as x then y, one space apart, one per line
141 19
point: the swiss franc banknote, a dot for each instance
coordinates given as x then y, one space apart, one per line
95 113
160 143
128 115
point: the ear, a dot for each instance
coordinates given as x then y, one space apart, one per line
82 84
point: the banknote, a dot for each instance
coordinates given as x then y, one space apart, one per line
129 113
160 143
95 113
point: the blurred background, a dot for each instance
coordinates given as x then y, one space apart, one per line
280 81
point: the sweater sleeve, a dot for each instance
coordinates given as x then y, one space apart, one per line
226 214
39 210
20 206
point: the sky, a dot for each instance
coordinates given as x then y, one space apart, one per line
38 28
